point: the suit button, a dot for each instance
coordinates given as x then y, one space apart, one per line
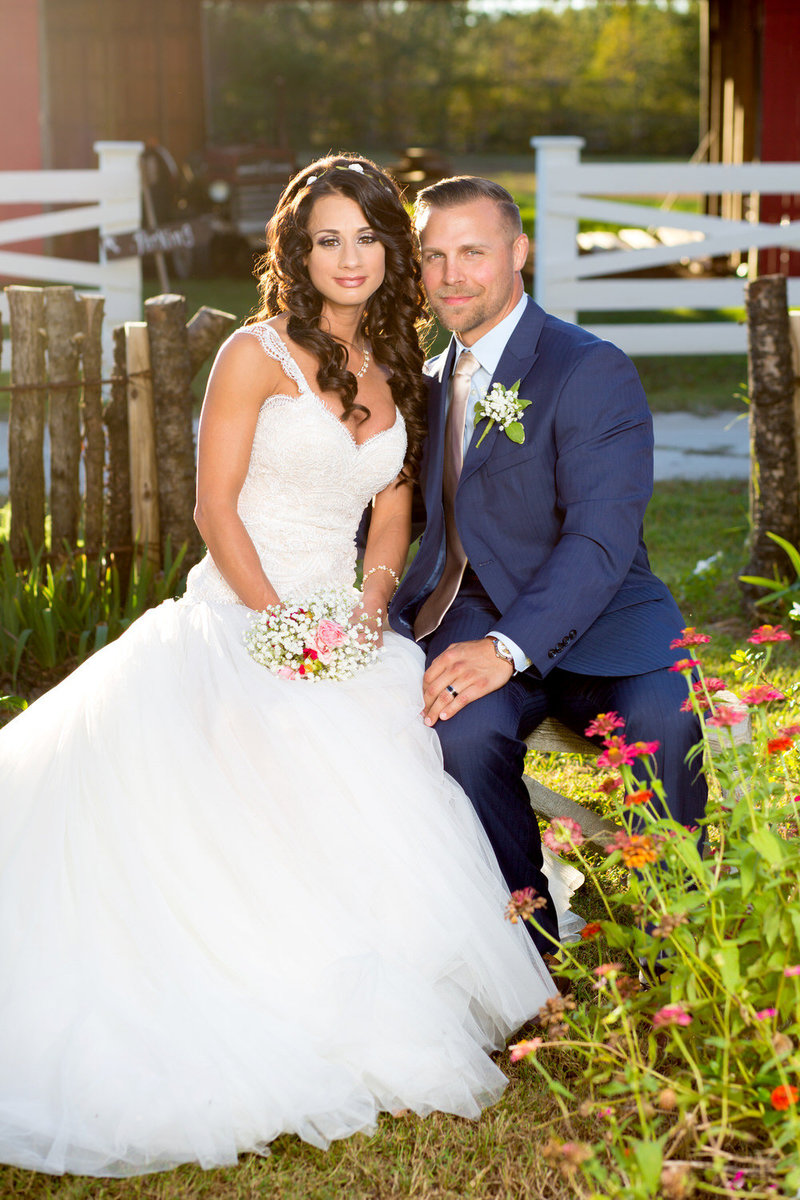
552 653
573 633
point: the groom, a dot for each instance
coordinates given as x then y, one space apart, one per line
531 593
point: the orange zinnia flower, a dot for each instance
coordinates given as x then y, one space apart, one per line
783 1097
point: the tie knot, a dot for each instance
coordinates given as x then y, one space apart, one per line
467 364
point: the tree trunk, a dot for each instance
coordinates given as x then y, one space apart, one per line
172 398
773 472
94 454
120 534
205 331
62 321
26 420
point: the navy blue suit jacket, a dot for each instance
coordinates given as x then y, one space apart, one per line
553 527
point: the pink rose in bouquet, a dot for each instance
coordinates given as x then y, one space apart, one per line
328 635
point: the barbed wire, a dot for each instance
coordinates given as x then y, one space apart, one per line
72 385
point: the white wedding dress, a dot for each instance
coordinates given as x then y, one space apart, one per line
234 906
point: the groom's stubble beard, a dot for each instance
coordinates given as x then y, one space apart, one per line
485 310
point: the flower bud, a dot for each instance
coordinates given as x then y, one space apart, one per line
667 1100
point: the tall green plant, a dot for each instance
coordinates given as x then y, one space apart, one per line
55 615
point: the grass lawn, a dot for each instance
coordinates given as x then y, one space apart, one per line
498 1157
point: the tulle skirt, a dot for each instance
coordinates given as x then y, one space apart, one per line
234 906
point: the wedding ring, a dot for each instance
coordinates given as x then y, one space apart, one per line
449 688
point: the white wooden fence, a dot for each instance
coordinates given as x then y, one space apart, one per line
107 199
568 282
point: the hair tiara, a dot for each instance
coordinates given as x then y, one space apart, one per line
353 166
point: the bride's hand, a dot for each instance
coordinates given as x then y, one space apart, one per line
368 618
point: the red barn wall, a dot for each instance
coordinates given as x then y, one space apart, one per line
20 131
780 117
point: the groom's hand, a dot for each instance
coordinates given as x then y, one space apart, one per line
471 669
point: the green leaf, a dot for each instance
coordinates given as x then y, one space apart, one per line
649 1159
515 432
726 958
768 845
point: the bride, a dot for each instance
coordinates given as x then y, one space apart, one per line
234 905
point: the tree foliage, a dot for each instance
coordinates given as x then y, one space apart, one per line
392 73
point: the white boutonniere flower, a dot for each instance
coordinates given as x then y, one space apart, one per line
503 405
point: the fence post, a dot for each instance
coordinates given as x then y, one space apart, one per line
115 417
556 246
773 477
144 475
26 419
120 212
174 440
91 318
62 322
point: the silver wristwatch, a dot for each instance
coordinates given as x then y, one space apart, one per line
502 650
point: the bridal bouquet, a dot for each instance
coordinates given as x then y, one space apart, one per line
318 640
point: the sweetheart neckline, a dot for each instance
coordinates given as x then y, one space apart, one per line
309 391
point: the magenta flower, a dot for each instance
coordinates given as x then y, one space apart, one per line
563 834
690 638
523 1049
644 749
726 715
616 754
790 971
685 665
769 633
703 688
763 693
604 725
609 785
764 1014
671 1014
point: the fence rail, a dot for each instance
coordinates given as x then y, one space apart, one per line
108 200
568 282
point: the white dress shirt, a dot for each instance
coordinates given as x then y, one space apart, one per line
488 350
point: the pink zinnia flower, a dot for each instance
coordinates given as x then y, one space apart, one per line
563 834
790 731
763 693
790 971
726 715
690 638
523 1049
523 903
703 688
769 633
604 725
671 1014
764 1014
608 970
685 665
616 754
610 785
644 749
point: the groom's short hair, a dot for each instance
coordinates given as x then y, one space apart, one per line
462 189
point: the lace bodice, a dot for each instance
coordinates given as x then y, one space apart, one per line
307 484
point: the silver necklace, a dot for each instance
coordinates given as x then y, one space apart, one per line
363 369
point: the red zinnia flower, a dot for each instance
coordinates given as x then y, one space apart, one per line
640 797
779 744
783 1097
591 930
685 665
769 633
690 638
604 725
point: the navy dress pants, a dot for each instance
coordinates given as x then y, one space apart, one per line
484 748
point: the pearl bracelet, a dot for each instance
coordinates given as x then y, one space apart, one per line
382 567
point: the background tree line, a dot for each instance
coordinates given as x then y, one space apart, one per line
388 73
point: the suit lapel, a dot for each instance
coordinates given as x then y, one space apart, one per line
516 363
436 421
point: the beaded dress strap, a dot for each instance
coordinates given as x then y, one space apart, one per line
273 345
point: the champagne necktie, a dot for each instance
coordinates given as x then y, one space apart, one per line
431 613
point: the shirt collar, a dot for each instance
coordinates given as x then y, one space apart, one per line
489 349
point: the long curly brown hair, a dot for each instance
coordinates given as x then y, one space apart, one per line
394 314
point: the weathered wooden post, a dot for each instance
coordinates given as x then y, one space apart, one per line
62 322
206 330
774 505
174 439
26 419
115 416
91 319
144 472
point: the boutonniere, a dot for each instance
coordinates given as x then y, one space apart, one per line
503 405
